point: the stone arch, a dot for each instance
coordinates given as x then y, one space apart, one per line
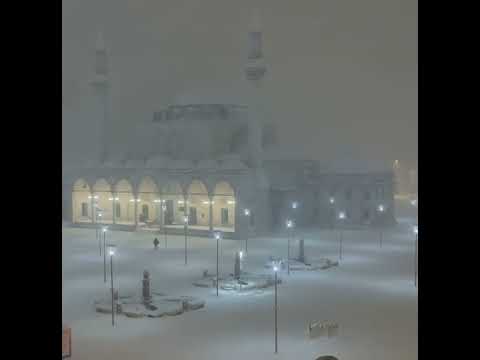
223 215
173 200
124 202
149 206
102 193
82 210
198 202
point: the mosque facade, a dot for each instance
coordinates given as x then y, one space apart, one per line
210 172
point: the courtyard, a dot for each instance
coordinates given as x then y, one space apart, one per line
370 295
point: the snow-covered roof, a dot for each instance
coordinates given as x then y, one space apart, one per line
158 162
207 164
233 164
134 164
181 164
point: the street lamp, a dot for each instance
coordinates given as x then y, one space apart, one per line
294 208
111 253
164 210
331 200
104 230
381 210
218 236
415 231
290 225
247 214
98 214
275 270
185 228
341 217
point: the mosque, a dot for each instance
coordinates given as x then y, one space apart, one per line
211 172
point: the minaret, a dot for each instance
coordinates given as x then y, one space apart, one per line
254 72
100 85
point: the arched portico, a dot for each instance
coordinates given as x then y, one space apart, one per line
198 205
125 203
102 192
174 202
149 206
223 207
82 211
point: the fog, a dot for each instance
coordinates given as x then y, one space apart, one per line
341 79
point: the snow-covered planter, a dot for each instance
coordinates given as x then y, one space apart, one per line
322 329
158 306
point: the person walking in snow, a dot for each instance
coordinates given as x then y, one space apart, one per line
155 243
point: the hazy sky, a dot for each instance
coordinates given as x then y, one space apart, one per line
342 74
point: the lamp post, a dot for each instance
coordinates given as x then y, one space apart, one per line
247 214
218 236
111 252
381 210
341 217
331 200
104 230
275 270
185 229
289 226
99 214
415 231
294 214
164 210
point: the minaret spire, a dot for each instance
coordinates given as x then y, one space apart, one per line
100 85
254 73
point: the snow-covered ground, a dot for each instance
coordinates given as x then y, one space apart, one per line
371 295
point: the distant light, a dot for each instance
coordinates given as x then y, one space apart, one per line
289 223
294 205
164 207
100 214
157 200
132 200
111 250
247 212
275 268
111 199
138 200
116 199
95 197
240 254
414 202
415 229
341 215
89 196
180 201
230 202
217 235
105 229
332 200
381 208
185 219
